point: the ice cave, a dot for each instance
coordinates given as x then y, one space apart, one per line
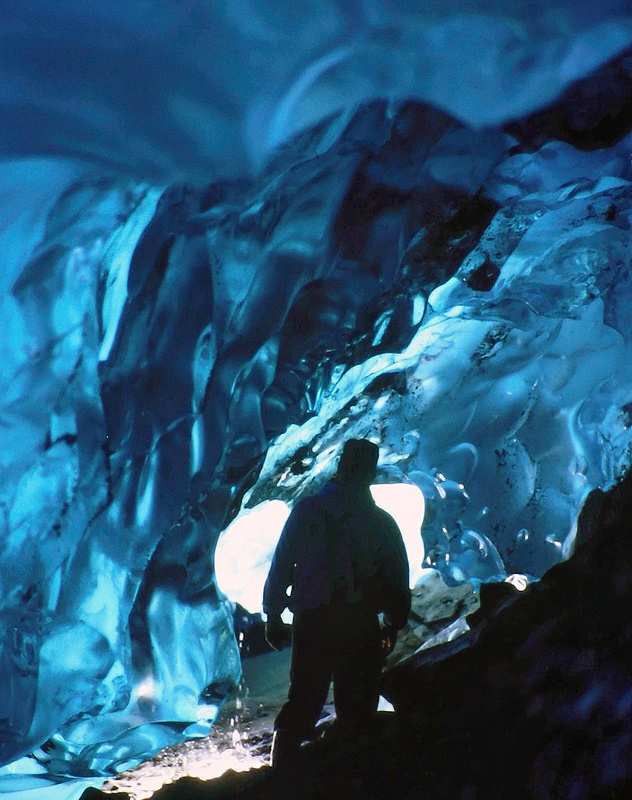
235 234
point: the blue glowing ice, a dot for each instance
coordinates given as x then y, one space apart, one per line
257 225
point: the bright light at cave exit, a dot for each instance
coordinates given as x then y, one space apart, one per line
245 549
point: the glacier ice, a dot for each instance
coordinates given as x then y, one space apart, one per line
216 269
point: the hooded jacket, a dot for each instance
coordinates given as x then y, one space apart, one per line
338 542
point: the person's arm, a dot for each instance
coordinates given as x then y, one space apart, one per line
396 570
280 576
281 572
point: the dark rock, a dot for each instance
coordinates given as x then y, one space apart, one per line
484 277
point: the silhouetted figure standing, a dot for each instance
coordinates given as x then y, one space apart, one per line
346 562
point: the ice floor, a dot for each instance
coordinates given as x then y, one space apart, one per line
240 739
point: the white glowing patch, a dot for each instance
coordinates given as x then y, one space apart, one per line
147 689
195 761
405 503
245 549
224 760
146 485
419 306
384 705
519 581
207 712
197 437
244 552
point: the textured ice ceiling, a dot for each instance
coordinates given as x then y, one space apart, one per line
227 225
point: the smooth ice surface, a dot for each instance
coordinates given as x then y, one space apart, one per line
425 263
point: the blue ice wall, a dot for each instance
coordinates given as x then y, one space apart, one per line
231 227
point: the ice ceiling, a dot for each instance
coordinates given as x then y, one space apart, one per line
231 225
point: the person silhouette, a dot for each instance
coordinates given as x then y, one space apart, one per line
346 563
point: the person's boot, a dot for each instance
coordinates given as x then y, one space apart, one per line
285 749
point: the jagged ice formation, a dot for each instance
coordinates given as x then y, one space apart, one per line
352 219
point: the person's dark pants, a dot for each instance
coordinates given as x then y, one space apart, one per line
338 641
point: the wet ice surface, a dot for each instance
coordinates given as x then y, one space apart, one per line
205 759
240 739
